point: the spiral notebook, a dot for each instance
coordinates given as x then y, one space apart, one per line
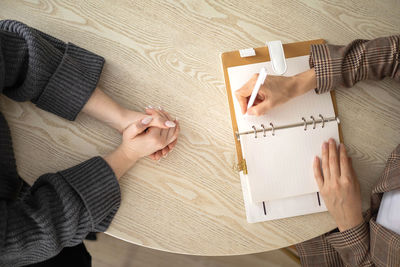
275 151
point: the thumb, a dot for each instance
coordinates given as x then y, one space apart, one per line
137 127
259 109
159 121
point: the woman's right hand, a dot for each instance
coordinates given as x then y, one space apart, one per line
275 91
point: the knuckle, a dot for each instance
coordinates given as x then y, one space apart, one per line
345 182
334 186
324 192
160 143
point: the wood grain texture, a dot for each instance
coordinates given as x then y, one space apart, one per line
167 53
108 251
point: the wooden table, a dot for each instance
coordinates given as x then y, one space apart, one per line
167 53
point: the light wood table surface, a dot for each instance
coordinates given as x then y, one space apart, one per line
166 53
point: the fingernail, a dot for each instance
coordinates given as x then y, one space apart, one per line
170 124
325 146
176 119
165 156
149 107
147 120
331 141
160 108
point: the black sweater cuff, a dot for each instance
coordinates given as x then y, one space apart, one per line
72 84
96 184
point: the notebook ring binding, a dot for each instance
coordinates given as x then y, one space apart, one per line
314 122
255 131
305 123
273 129
323 120
262 126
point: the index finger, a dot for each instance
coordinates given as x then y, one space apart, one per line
159 120
244 92
317 173
325 163
345 166
173 133
333 159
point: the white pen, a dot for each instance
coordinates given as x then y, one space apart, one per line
260 81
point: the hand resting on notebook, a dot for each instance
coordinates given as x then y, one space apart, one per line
339 186
276 90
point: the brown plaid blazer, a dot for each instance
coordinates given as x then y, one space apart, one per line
368 244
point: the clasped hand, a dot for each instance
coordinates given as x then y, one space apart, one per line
153 134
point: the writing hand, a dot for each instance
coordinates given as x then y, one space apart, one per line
275 91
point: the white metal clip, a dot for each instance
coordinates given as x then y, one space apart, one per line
277 56
249 52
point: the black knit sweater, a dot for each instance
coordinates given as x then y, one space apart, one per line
60 208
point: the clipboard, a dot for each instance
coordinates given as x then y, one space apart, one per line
233 59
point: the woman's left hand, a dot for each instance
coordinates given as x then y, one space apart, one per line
161 119
339 186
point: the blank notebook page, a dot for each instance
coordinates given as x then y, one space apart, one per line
280 166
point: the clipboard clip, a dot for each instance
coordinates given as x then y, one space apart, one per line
277 56
248 52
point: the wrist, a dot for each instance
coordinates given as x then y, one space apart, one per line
351 224
128 154
122 119
120 162
304 82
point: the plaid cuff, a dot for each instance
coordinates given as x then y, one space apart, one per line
325 68
385 245
352 244
318 252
